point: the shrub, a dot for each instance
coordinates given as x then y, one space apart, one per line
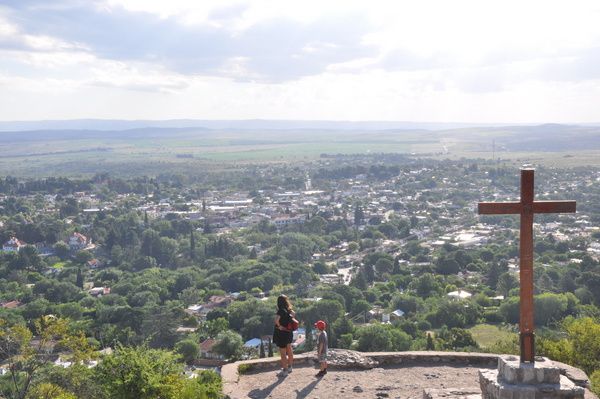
244 368
595 380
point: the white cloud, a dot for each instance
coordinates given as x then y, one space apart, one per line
131 77
464 60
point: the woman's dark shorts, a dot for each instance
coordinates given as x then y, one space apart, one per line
282 338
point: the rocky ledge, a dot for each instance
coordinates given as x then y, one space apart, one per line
422 369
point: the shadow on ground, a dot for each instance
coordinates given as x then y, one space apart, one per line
303 393
264 392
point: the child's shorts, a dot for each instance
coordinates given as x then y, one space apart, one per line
323 357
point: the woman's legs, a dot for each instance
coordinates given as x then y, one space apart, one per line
284 363
290 355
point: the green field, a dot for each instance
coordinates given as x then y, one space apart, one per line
153 151
488 334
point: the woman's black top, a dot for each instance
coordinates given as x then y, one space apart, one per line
283 338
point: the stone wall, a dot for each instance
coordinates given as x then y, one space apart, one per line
407 358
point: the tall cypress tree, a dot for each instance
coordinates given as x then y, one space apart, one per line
359 281
262 349
430 345
309 342
192 244
396 269
359 215
207 228
253 253
79 278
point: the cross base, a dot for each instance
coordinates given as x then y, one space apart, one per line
516 380
527 340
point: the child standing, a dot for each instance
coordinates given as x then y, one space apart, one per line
322 347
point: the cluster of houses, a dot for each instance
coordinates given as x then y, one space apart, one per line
200 311
76 242
234 211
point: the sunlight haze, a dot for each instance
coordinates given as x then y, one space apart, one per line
437 61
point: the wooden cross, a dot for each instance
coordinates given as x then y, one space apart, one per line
526 208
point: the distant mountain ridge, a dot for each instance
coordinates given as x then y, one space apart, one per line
250 124
545 137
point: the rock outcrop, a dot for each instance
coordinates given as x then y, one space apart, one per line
347 359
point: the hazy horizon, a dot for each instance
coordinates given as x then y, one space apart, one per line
251 124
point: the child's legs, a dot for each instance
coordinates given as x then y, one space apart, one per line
323 361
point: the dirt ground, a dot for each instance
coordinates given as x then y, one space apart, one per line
389 382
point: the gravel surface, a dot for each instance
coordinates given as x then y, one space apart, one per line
389 382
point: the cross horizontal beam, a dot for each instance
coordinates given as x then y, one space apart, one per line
554 207
499 208
503 208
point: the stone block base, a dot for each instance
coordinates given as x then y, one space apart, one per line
493 387
543 371
451 393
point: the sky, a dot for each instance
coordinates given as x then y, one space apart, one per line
436 61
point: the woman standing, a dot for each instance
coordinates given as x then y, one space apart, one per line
282 335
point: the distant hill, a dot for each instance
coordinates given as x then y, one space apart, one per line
547 137
77 134
252 124
540 138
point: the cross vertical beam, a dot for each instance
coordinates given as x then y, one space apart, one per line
526 321
526 209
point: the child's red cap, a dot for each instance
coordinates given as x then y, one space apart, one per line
320 325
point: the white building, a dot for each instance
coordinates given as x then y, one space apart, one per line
78 241
289 220
13 245
459 295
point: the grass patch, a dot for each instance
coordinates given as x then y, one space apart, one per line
59 265
244 368
488 334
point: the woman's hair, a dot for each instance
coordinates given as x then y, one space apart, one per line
283 303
